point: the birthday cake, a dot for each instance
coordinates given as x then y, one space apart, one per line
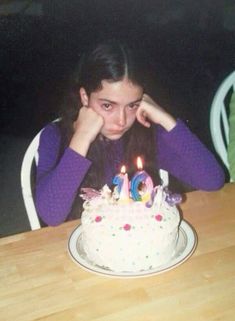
129 235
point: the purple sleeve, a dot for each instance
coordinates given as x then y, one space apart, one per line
57 184
182 154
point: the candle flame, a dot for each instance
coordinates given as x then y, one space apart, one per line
123 169
139 163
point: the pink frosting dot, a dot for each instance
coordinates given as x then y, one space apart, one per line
158 217
98 218
127 227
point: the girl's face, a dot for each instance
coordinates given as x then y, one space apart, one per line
117 102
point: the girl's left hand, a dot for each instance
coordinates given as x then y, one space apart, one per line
149 111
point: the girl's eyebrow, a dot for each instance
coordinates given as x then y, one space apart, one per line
107 100
136 101
115 103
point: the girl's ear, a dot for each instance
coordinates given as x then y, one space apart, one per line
83 96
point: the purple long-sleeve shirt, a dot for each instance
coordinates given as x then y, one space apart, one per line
179 152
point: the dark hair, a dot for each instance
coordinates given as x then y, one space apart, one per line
111 61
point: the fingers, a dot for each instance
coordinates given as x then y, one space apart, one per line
90 114
142 118
88 121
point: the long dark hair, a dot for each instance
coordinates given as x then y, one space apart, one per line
110 61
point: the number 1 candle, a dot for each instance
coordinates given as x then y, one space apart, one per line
141 184
122 182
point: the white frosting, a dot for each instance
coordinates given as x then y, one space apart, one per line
129 237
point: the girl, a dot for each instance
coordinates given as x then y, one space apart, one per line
109 121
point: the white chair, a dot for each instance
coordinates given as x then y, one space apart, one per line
30 156
219 125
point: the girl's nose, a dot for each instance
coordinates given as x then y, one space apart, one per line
122 118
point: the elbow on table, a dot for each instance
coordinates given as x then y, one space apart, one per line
49 216
51 221
213 182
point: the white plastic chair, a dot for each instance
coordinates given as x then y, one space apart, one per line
30 156
219 125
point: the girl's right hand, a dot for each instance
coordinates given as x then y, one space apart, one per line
86 128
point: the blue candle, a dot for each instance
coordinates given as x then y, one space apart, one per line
122 182
118 180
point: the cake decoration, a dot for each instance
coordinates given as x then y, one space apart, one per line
158 217
172 198
127 227
98 218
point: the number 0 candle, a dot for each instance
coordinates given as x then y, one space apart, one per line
141 184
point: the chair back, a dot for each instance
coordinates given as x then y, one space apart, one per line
219 124
30 156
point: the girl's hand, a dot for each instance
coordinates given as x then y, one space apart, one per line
149 111
86 128
88 124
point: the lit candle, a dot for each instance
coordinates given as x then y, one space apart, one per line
122 182
141 184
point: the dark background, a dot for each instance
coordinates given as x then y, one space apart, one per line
191 43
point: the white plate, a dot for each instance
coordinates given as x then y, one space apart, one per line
186 245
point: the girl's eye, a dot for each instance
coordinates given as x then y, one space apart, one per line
106 106
134 105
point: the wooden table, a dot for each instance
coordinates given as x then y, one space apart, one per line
39 281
